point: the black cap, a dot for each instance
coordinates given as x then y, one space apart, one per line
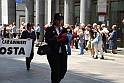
77 24
58 16
28 24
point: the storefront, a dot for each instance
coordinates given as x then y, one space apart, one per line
114 14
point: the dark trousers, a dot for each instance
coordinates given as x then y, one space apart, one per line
14 35
104 46
58 65
76 43
28 59
85 43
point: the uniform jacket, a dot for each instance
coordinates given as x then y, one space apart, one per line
26 34
52 42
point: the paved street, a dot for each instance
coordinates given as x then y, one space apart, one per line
81 69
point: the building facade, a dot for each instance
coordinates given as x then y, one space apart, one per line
114 15
74 11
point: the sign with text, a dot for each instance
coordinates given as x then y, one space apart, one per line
102 5
15 47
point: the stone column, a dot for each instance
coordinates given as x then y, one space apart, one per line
82 11
46 11
56 6
49 11
69 11
12 11
40 11
88 11
66 11
8 11
29 11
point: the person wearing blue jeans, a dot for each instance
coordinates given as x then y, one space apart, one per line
81 48
81 40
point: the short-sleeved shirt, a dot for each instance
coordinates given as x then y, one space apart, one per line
14 29
37 29
114 35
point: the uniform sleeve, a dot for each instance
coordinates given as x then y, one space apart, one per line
49 36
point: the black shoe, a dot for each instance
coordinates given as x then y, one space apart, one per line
28 68
105 51
102 57
96 57
115 53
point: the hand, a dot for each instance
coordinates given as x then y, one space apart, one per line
108 38
28 38
2 38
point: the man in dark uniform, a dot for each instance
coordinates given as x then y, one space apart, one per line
58 57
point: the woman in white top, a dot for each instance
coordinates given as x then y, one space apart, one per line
86 36
98 46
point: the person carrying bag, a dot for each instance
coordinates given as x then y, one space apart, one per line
98 43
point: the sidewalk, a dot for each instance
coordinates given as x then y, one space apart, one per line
120 52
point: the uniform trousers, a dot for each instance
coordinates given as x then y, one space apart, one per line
58 65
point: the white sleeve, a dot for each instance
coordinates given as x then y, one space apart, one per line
105 30
75 30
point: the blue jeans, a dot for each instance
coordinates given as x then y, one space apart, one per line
81 48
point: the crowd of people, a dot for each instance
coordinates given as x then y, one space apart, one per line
107 39
84 42
11 30
88 34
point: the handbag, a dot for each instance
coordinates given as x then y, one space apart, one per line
44 49
96 40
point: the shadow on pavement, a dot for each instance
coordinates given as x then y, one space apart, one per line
14 71
109 59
